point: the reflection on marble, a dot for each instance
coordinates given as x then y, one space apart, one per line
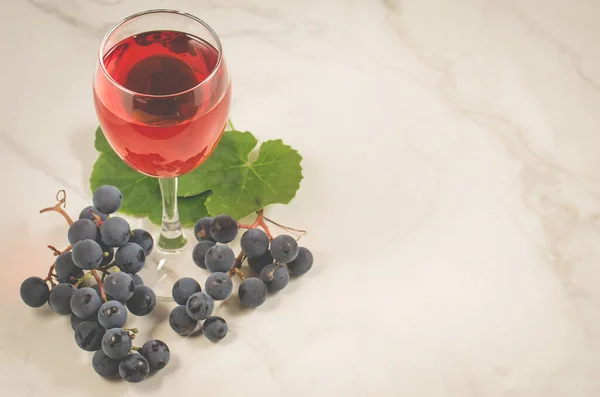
451 191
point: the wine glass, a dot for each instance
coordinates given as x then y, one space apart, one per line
162 94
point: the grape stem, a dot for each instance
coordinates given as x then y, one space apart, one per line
105 270
82 279
237 271
57 252
49 276
302 232
51 269
100 284
239 260
131 332
62 202
271 274
260 221
97 219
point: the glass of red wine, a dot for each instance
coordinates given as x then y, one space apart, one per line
162 94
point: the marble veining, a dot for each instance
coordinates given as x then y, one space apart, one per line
451 193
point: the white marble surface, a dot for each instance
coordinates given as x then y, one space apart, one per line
451 191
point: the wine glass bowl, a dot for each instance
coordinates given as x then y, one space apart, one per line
162 94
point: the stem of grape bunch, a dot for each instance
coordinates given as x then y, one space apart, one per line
100 284
61 196
260 221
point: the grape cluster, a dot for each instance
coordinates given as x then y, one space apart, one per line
272 260
195 306
99 313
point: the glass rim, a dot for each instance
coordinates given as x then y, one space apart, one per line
159 11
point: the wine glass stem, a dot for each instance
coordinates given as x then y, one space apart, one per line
171 233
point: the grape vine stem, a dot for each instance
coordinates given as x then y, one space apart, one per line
239 260
302 232
49 276
237 271
97 219
56 252
260 221
131 332
100 284
82 279
51 269
271 274
61 196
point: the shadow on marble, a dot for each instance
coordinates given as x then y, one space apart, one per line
233 307
159 319
155 379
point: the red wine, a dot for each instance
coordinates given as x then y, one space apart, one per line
166 103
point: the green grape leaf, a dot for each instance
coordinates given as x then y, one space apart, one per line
141 194
238 186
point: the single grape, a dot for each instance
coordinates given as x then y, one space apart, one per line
87 254
302 263
60 298
157 353
112 314
83 229
107 250
223 228
105 366
134 368
257 264
66 270
119 286
143 239
107 199
215 328
219 258
142 301
116 343
115 232
34 292
202 229
137 280
184 288
88 213
85 302
130 258
88 335
181 322
199 306
254 243
199 252
284 248
252 292
75 321
275 277
219 286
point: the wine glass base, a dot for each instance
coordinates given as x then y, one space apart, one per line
162 269
171 245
